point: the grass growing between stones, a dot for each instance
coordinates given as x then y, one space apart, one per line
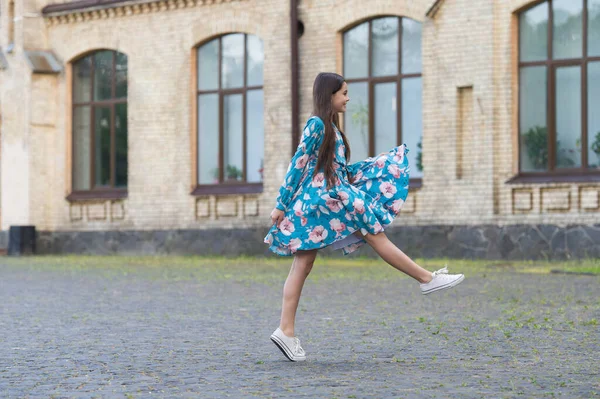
118 326
266 269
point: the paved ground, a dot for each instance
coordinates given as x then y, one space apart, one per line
188 327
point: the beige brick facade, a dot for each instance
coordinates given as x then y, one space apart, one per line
469 110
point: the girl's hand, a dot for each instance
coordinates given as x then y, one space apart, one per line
277 216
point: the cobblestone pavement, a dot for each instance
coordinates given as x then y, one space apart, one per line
189 328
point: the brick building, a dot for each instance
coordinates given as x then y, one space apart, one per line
167 125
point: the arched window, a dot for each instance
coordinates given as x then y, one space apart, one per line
382 65
559 88
99 101
230 113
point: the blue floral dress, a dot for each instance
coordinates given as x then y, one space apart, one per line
367 197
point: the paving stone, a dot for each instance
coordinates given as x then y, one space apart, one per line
178 332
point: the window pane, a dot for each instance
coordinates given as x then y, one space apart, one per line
82 118
232 137
102 146
121 75
384 36
593 115
594 27
82 80
566 42
412 123
411 46
386 131
533 33
232 68
356 120
208 139
121 145
255 58
208 66
103 75
356 52
532 119
255 136
568 117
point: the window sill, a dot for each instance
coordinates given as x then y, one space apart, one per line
555 178
231 188
415 184
108 194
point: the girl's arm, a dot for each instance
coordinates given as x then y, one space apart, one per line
310 143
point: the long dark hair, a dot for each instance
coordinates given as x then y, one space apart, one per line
326 84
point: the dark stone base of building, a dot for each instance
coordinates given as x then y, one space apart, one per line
3 241
470 242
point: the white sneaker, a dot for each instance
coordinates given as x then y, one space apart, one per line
290 346
441 280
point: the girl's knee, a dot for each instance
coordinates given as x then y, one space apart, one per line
305 262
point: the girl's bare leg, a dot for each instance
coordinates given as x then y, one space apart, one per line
395 257
301 267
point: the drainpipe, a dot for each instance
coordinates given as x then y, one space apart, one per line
295 76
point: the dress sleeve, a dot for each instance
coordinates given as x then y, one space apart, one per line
312 137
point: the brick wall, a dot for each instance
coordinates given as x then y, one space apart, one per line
468 114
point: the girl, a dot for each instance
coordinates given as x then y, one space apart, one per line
325 201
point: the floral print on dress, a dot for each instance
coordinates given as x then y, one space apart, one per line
367 197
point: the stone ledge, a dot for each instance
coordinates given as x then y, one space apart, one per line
470 242
88 10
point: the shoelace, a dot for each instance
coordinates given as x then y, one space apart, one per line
297 348
441 271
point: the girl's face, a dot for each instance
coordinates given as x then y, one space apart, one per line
340 99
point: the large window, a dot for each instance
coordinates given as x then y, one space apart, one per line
100 123
230 113
382 65
559 88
